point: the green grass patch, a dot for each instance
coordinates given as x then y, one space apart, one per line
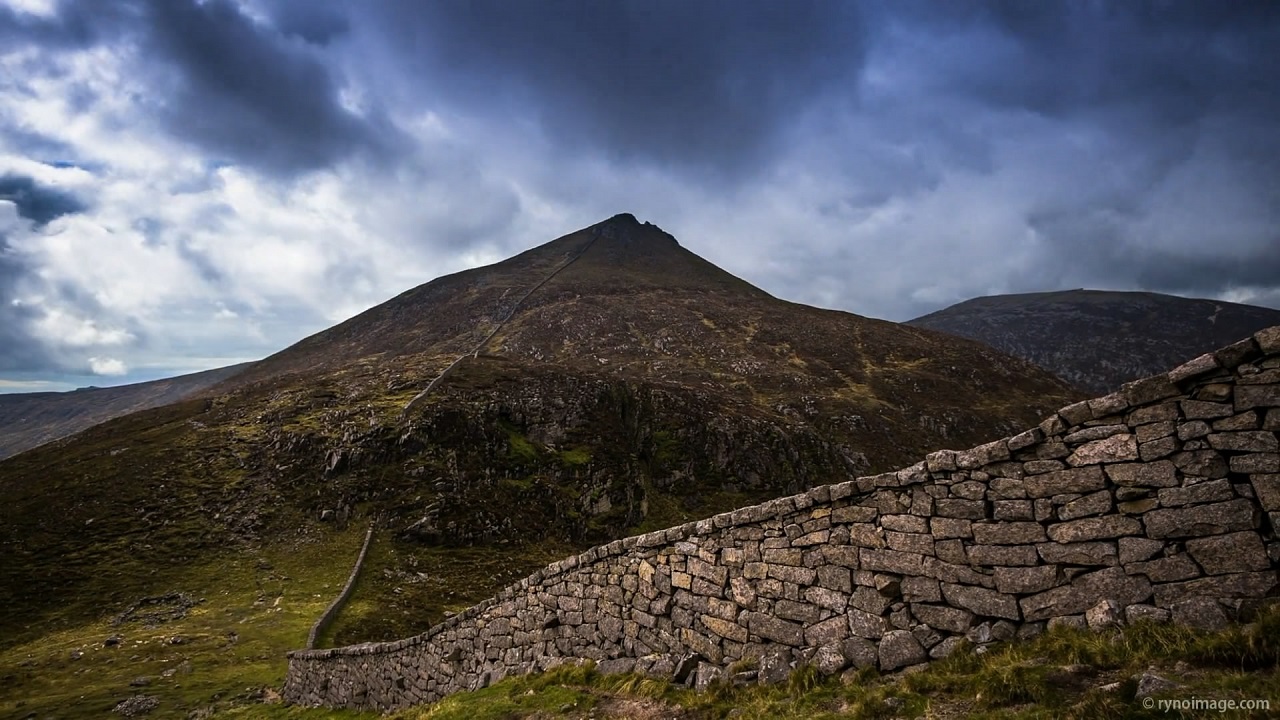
665 510
518 484
282 712
575 457
666 446
227 652
519 449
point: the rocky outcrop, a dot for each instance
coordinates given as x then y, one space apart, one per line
1159 502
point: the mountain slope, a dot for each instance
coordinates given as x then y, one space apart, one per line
31 419
454 312
636 387
1098 340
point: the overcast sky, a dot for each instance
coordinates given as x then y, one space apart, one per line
190 184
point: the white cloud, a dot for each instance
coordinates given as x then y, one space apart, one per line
42 8
178 259
107 366
61 328
25 386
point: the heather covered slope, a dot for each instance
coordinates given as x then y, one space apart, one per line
628 299
1098 340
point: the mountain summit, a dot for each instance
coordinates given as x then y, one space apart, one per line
623 255
602 383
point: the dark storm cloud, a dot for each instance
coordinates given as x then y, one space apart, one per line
37 203
312 22
1184 95
245 92
1205 276
248 93
1059 58
685 84
18 351
40 205
1097 247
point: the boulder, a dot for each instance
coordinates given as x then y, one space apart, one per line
899 648
1201 613
1084 592
1106 614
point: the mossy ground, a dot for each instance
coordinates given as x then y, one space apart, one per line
229 650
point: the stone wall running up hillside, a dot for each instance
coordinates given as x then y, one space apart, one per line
330 613
1159 502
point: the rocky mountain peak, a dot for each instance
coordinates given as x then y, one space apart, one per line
625 228
627 256
624 234
623 220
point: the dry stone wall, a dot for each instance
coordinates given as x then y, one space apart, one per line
1157 502
331 613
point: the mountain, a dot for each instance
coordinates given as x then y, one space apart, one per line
607 382
452 313
31 419
1098 340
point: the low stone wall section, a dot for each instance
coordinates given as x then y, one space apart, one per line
330 613
1157 502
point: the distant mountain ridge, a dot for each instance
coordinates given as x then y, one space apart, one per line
1095 339
28 420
